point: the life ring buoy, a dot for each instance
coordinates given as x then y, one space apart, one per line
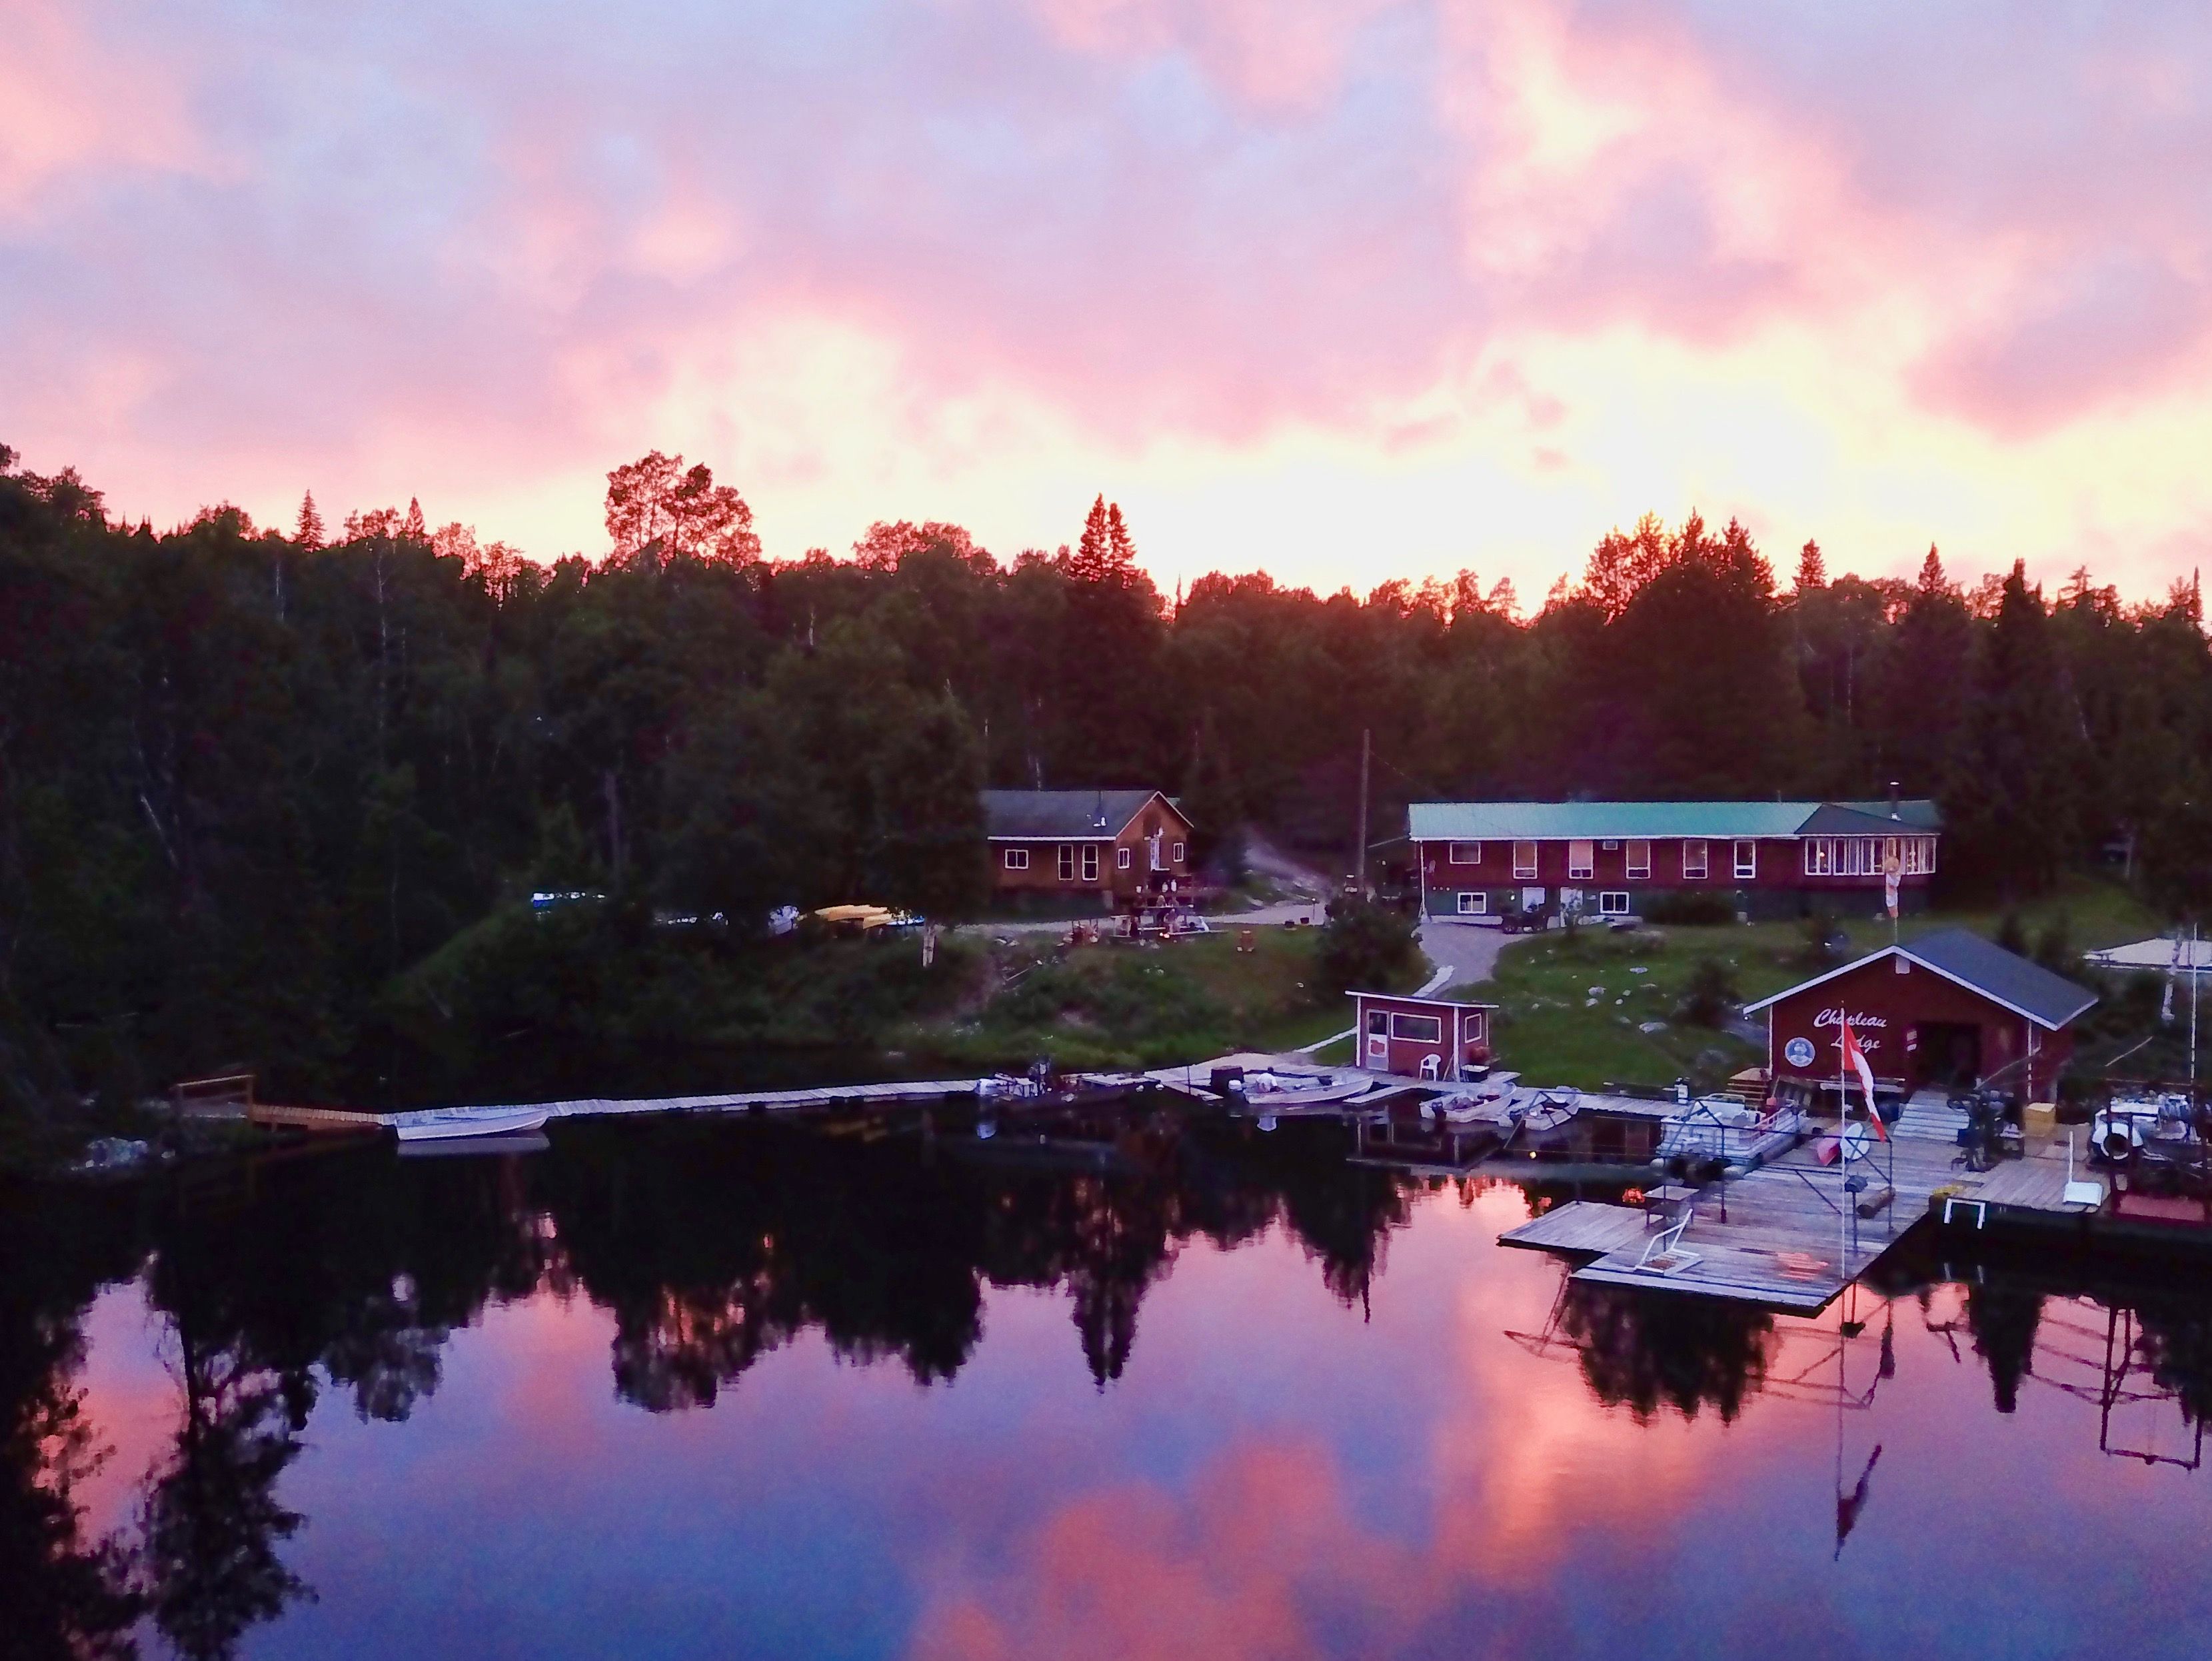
2116 1137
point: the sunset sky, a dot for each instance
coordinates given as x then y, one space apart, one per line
1341 288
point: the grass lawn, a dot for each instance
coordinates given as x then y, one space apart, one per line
1121 1006
1573 1011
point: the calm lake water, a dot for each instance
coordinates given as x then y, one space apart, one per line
743 1390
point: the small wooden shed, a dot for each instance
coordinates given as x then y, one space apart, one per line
1419 1038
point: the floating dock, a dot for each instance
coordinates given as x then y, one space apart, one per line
1789 1236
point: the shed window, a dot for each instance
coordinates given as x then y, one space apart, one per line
1018 859
1747 859
1123 857
1378 1023
1524 859
1614 904
1467 852
1091 861
1693 858
1418 1029
1473 902
1640 857
1581 858
1067 862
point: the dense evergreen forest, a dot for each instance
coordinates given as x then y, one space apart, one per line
252 781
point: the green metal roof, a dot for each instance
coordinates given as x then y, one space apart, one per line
1551 821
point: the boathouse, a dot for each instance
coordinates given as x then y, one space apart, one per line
1949 1010
1127 846
1758 860
1420 1038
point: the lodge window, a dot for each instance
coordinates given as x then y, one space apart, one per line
1694 860
1018 859
1614 904
1090 863
1473 903
1178 852
1640 857
1919 855
1524 859
1418 1029
1066 862
1817 853
1747 859
1122 858
1581 858
1467 852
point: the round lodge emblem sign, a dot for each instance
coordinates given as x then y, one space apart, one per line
1798 1052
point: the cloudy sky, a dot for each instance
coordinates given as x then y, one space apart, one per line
1341 288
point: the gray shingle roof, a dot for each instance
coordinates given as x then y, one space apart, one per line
1063 815
1980 965
1539 821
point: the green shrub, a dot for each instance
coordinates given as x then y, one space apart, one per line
1710 993
1366 947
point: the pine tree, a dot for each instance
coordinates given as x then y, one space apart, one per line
413 530
1119 548
1094 555
308 534
1812 567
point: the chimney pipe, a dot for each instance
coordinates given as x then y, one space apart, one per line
1893 799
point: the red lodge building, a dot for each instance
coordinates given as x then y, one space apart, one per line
1127 846
1763 860
1949 1010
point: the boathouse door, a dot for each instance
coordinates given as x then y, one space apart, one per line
1949 1054
1378 1039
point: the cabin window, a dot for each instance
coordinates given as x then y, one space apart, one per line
1122 856
1091 861
1747 859
1067 862
1919 855
1818 853
1614 904
1018 859
1581 858
1418 1029
1477 1026
1177 852
1467 852
1693 859
1524 859
1473 903
1640 857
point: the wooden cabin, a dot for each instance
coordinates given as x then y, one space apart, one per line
1127 846
1761 861
1419 1038
1950 1010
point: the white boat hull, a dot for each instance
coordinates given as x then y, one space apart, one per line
449 1124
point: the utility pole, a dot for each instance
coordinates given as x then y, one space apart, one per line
1360 853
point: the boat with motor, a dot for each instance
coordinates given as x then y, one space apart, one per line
1542 1117
1276 1091
2164 1128
1719 1131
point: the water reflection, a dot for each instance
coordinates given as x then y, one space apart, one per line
711 1247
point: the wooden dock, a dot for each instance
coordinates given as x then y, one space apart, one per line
1788 1235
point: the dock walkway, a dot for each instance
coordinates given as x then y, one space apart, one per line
1787 1236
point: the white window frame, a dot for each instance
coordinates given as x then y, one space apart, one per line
1018 859
1464 853
1399 1020
1919 857
1637 858
1820 854
1175 856
1067 862
1705 864
1123 859
1524 868
1746 858
1091 861
1473 902
1613 903
1582 859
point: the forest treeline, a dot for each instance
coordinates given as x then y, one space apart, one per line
250 778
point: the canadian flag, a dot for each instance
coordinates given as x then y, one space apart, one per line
1855 1058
